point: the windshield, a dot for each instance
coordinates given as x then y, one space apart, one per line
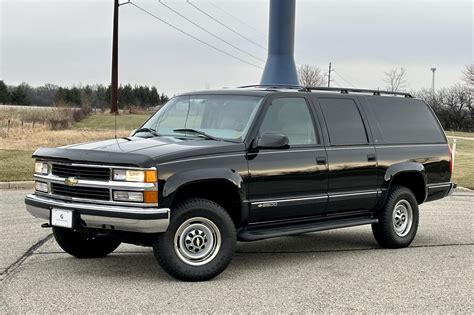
226 117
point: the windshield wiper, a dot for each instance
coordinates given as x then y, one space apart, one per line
199 132
149 130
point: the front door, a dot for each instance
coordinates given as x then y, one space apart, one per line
351 155
290 182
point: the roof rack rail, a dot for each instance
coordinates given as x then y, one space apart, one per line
354 90
270 86
341 90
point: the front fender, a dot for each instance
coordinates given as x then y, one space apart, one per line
178 180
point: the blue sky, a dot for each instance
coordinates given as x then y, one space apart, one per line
69 42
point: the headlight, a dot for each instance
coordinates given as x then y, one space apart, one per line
41 168
40 186
136 196
145 176
133 196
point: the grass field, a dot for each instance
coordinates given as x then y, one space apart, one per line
15 165
464 159
107 121
16 149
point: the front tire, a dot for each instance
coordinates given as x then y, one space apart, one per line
398 220
199 243
82 245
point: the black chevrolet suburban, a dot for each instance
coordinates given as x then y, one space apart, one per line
215 167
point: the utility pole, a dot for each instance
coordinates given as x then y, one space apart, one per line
329 75
114 83
433 81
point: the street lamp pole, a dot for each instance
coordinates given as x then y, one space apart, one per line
433 81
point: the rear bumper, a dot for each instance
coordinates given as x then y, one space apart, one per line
441 190
452 188
132 219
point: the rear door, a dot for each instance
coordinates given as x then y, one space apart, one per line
351 154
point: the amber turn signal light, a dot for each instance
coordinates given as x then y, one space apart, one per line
151 176
150 197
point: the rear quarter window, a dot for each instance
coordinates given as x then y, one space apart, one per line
405 120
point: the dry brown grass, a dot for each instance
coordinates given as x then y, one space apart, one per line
16 149
55 118
28 138
30 128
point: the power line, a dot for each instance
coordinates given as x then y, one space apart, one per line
192 36
233 16
227 27
351 78
209 32
334 81
342 78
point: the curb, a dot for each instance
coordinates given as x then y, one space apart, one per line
17 185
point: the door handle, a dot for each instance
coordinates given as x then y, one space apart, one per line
371 157
321 160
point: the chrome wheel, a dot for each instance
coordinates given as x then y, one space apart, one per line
402 217
197 241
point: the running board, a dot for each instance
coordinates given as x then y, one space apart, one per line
255 233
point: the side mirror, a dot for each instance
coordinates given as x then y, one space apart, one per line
132 133
272 141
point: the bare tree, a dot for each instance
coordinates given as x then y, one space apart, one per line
469 75
311 75
452 105
396 79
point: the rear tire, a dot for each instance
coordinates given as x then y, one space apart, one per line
398 220
82 245
199 242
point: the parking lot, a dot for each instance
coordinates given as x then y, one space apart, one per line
334 271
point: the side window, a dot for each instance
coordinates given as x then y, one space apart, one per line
345 125
290 117
405 120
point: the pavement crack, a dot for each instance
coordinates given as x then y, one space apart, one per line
10 269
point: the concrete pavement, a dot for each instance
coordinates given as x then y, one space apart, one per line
333 271
19 230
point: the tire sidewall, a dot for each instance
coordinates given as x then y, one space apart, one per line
163 244
406 194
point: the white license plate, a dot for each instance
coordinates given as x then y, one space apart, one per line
62 218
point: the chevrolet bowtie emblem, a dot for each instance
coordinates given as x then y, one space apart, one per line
70 181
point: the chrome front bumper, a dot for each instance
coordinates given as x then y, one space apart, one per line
121 218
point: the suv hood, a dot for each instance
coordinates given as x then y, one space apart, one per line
135 151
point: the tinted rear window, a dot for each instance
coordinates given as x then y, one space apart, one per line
405 120
345 125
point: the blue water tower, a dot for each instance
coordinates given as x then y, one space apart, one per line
280 68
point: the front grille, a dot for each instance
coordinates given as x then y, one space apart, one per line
82 172
80 192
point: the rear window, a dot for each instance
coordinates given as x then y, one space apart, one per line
343 120
405 120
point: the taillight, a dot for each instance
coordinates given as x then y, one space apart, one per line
450 158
